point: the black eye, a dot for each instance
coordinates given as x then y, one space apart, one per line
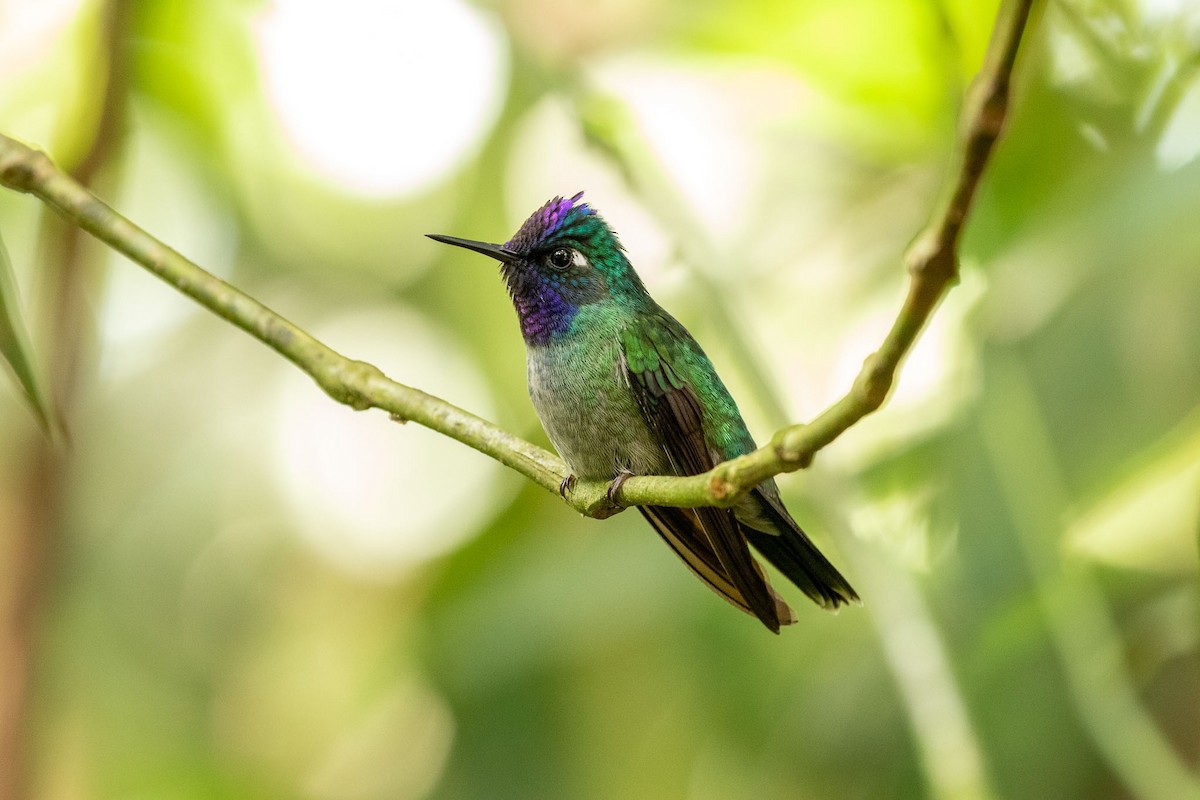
561 258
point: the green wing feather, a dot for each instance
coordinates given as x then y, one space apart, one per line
709 540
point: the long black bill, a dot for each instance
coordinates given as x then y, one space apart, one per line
496 251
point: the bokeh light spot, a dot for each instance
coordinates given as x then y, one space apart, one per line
382 98
163 191
370 496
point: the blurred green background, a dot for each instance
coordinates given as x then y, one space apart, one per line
226 585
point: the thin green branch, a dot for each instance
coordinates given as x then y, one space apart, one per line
931 260
353 383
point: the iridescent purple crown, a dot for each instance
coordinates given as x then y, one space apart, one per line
557 215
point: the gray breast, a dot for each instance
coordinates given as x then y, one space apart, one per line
589 412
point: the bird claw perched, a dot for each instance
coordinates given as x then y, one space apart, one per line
614 488
567 486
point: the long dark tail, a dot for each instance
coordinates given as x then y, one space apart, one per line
684 532
794 554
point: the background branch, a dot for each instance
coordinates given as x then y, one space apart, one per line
43 466
931 260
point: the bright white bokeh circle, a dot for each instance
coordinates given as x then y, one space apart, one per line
382 97
367 494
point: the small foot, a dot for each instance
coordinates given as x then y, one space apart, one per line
568 483
614 488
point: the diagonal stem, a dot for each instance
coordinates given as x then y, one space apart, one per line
931 260
1081 629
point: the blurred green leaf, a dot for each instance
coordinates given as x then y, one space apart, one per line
14 342
197 645
1149 520
890 62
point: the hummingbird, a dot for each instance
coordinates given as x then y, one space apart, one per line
623 389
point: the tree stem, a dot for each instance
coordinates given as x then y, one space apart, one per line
931 260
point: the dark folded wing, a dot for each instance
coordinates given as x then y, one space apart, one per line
673 411
680 528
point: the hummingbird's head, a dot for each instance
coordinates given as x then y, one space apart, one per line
564 257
